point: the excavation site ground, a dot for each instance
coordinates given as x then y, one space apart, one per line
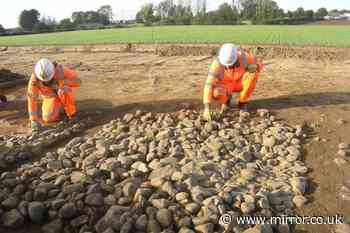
142 160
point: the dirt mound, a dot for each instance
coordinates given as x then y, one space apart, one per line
179 50
9 79
7 75
267 51
313 53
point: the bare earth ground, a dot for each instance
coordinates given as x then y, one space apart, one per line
300 91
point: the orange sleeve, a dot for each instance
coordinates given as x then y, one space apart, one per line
71 78
248 83
69 73
215 73
249 80
255 60
251 59
32 99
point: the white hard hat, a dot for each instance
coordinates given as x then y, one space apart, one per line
228 54
44 70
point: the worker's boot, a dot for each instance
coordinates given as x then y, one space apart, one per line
243 107
35 126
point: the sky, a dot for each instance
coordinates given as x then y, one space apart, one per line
126 9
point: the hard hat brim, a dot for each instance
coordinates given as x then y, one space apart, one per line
44 79
226 64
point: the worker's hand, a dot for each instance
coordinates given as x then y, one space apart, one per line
207 114
223 110
35 126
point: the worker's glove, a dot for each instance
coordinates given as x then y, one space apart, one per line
223 110
252 68
243 107
35 126
207 114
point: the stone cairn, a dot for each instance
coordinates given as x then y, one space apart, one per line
146 172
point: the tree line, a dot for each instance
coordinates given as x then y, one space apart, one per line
167 12
238 11
31 21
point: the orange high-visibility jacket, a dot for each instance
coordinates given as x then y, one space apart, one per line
219 75
63 81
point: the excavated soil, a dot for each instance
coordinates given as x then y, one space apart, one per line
9 79
268 51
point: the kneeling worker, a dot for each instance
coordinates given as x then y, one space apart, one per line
54 84
233 71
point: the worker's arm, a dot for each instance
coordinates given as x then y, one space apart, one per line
250 79
68 79
208 90
215 72
71 78
254 64
32 99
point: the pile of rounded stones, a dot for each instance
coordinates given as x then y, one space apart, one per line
162 172
19 148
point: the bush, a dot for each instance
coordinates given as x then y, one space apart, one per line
148 24
42 27
2 29
290 21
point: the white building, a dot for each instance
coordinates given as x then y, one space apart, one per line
337 16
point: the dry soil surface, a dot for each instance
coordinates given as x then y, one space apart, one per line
301 91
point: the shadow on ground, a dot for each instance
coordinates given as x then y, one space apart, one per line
103 110
305 100
109 111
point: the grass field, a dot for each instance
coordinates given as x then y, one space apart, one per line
338 36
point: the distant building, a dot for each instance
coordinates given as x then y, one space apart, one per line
337 16
124 22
